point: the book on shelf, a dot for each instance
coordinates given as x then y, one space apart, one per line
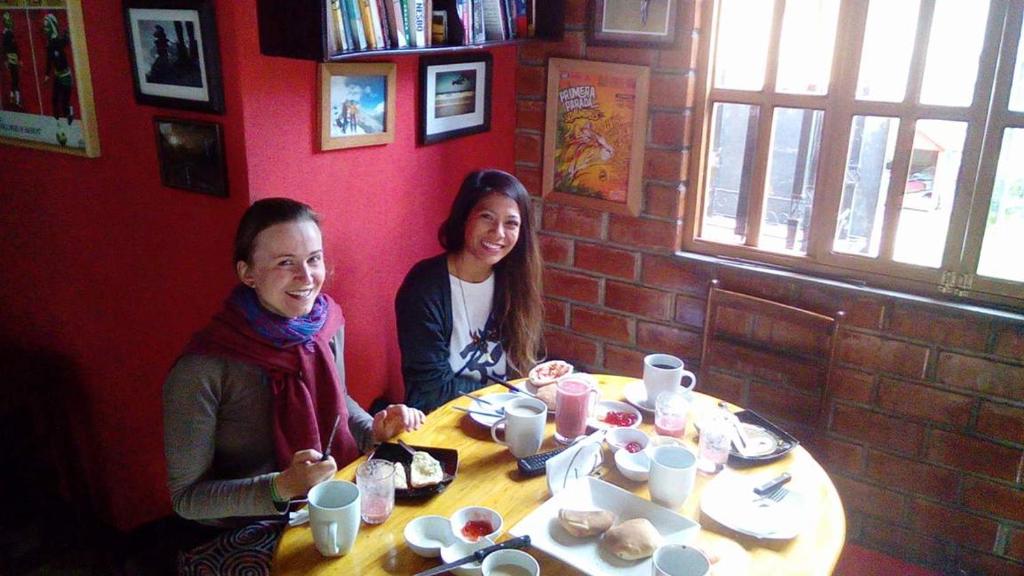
419 22
396 23
439 27
335 36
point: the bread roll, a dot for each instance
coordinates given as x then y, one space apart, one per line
633 539
547 396
424 470
583 523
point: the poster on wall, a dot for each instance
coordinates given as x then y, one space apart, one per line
594 134
45 85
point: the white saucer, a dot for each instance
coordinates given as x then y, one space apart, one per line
636 395
496 401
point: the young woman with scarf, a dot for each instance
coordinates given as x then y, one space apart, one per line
250 405
472 315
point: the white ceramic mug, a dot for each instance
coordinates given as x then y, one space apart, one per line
334 516
510 563
680 560
524 419
673 471
664 373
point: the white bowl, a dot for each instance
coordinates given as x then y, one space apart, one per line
479 513
563 369
605 406
618 438
426 535
460 549
509 558
634 466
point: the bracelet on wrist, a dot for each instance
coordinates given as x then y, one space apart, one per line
274 494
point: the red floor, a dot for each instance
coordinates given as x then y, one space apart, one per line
858 561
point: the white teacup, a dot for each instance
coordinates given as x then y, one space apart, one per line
664 373
510 563
673 471
524 419
680 560
334 516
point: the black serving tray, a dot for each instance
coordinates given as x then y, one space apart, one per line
448 458
784 441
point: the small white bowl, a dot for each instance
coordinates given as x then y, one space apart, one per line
510 558
426 535
634 466
460 549
562 368
618 438
480 513
606 406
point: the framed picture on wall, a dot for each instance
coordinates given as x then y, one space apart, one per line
357 105
175 59
594 134
455 96
191 156
633 22
45 83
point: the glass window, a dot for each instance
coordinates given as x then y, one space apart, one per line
888 47
865 185
928 193
805 49
730 164
792 171
951 69
1004 230
1017 91
743 32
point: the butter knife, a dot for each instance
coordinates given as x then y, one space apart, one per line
478 556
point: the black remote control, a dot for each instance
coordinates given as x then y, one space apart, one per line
534 465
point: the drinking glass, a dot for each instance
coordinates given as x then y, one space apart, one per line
575 397
715 440
376 482
670 412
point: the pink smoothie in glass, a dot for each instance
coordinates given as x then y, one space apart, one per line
376 508
666 425
572 403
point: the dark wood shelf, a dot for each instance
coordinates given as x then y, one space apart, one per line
298 29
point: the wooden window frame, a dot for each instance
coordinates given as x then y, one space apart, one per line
956 276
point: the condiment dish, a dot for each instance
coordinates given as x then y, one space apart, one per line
460 549
619 438
426 535
468 523
634 466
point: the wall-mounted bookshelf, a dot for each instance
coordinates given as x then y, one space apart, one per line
303 29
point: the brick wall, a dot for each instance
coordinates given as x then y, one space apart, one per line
925 435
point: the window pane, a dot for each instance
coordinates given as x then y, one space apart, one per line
1017 91
888 46
730 161
928 195
868 162
743 30
792 169
954 46
805 50
1004 231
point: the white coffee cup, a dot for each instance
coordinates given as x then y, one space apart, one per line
680 560
524 419
510 563
673 471
334 516
664 373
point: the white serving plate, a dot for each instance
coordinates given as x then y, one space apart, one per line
730 501
613 405
496 401
586 554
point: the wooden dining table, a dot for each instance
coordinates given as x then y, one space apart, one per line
488 476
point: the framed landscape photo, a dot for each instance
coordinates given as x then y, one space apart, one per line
175 59
46 99
455 96
633 22
594 134
357 105
191 156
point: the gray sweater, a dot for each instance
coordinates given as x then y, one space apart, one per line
218 436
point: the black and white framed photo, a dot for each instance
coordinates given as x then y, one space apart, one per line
175 59
455 96
633 22
191 155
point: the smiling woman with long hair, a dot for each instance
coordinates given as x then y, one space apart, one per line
473 314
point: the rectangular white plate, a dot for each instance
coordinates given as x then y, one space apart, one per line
586 554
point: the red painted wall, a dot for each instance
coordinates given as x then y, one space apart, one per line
108 268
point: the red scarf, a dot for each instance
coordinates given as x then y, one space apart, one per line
303 378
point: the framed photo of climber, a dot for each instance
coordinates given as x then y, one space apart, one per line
175 59
45 85
594 134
